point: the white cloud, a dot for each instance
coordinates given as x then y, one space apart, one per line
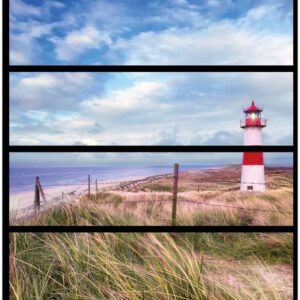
73 123
24 45
214 3
180 2
21 46
222 43
41 81
55 4
37 115
18 57
166 137
18 7
141 96
46 90
77 42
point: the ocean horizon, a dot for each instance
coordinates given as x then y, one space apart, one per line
22 179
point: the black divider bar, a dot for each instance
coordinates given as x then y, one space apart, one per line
154 68
204 148
182 229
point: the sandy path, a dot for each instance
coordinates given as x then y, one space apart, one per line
26 199
233 272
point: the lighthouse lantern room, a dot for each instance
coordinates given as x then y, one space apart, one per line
253 171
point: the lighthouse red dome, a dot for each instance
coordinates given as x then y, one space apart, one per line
253 108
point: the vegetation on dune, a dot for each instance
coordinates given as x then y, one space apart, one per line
158 187
115 208
211 202
150 266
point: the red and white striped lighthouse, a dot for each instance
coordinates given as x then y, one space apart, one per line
253 170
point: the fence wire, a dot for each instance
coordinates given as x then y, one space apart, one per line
87 184
196 202
136 182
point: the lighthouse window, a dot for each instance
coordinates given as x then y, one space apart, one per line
253 116
250 187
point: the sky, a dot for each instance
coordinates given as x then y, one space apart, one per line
127 159
164 32
147 108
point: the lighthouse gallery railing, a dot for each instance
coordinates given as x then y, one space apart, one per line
250 122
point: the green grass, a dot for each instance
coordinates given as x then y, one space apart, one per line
145 266
105 197
158 187
244 246
73 215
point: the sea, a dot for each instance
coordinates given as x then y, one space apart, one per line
22 179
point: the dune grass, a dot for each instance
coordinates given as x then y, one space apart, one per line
155 208
150 266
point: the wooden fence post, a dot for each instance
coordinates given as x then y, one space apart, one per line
40 189
175 188
89 187
37 202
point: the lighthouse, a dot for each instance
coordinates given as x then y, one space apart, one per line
253 170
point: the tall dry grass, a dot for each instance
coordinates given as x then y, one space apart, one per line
150 266
274 207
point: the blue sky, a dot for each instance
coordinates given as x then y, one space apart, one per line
146 108
151 32
126 159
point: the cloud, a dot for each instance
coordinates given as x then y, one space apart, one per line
139 97
165 137
79 143
214 3
21 48
34 91
18 7
220 137
28 26
55 4
218 44
41 81
96 128
286 139
76 43
249 39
